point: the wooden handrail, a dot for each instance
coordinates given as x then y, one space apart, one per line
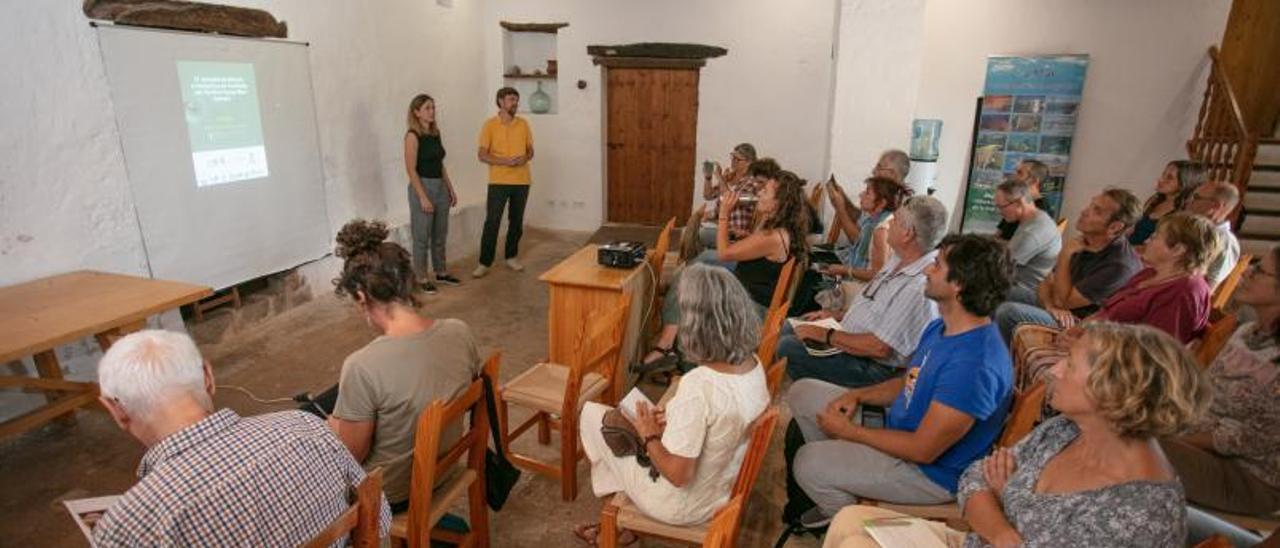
1222 141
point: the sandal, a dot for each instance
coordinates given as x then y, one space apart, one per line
590 534
668 358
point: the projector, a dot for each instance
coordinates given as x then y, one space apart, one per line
620 254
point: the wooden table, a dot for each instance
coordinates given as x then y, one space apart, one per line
579 288
37 316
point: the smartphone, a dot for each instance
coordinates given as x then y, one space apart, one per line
748 198
708 167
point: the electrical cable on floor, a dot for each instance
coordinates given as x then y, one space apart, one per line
245 391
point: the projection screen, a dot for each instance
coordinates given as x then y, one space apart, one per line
219 139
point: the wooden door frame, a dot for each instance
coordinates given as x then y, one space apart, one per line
607 63
654 55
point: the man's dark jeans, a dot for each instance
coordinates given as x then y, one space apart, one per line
499 195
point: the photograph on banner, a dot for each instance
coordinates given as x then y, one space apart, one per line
1028 111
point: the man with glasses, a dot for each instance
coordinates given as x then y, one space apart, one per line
1215 200
1032 172
1089 269
1036 242
739 177
884 322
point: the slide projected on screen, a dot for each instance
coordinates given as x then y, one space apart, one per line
223 122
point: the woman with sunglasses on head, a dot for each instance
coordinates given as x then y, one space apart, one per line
1232 462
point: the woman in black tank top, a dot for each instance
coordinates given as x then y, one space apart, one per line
778 237
431 194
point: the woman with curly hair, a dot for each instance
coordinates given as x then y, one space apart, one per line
760 256
1095 474
1175 185
414 361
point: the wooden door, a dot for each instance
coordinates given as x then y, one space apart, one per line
1250 55
652 123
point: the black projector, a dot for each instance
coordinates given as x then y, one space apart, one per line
620 254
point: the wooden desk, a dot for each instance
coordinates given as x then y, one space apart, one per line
37 316
579 287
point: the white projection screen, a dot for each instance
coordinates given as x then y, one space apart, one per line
219 139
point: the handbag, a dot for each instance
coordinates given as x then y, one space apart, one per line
500 476
623 440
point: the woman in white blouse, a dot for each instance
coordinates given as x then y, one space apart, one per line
697 442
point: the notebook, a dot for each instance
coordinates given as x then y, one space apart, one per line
818 349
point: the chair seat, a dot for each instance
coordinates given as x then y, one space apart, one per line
630 517
442 499
542 387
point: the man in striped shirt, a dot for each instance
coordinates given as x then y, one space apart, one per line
213 478
884 323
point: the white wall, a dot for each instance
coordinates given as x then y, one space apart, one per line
880 48
772 89
64 193
1142 89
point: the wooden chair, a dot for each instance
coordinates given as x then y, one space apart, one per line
1225 290
690 247
1215 337
620 513
722 532
784 285
359 524
771 331
773 376
556 393
1026 338
656 261
428 498
1022 419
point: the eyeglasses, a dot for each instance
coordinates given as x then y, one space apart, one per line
1000 205
737 158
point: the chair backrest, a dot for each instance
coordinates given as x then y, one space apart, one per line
783 286
1215 337
659 256
1225 290
1027 405
722 532
358 524
771 331
428 458
690 246
761 433
773 376
599 347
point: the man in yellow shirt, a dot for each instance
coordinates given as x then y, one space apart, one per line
506 144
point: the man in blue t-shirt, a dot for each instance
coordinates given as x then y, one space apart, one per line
943 414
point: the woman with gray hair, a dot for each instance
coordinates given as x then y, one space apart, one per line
697 442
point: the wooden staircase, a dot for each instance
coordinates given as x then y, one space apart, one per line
1231 151
1259 223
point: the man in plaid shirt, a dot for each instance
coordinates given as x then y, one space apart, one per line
214 478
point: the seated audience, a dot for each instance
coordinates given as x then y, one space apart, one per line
697 442
1173 188
414 361
737 178
742 215
942 415
1036 241
883 324
1232 460
1034 173
213 478
1170 294
878 200
1216 200
759 257
1093 476
1090 268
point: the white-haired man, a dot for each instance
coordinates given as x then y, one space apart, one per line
213 478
